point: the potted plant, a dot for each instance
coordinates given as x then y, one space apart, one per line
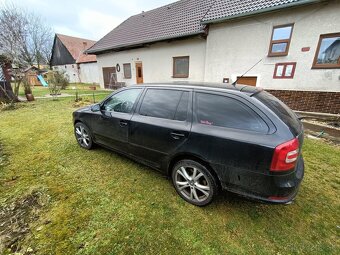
28 90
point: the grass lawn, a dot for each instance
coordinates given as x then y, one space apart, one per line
97 202
82 88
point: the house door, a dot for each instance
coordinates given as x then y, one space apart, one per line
139 72
110 76
247 80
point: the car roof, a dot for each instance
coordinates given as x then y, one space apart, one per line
220 87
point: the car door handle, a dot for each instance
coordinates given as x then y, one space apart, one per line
123 123
176 135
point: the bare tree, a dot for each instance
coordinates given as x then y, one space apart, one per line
41 40
24 39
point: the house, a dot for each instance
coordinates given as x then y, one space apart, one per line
68 55
283 44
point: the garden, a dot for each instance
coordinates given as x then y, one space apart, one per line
57 198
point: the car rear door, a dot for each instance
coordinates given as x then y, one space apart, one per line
161 125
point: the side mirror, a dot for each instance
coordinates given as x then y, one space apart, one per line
95 108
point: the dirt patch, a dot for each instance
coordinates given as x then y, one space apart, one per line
15 219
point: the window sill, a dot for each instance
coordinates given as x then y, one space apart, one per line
186 76
270 55
326 67
282 78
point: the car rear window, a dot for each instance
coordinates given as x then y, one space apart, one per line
281 110
165 104
223 111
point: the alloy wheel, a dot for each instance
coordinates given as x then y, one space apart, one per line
82 136
192 183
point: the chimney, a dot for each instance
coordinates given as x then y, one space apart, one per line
85 45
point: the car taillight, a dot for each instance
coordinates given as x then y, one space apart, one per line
285 156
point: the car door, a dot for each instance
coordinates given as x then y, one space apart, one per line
111 124
161 125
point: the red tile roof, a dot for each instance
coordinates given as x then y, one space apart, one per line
77 46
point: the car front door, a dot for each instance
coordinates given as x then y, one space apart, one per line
161 125
111 124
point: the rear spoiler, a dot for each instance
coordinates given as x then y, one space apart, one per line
252 90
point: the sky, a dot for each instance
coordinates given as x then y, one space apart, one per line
86 19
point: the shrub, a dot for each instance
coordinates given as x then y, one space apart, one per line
57 82
60 79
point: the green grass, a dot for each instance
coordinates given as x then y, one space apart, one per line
102 203
40 91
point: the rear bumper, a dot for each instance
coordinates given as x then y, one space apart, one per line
278 188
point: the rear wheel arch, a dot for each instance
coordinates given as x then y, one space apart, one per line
192 157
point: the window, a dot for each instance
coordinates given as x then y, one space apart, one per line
127 71
328 52
165 104
280 41
181 67
284 70
122 102
222 111
182 108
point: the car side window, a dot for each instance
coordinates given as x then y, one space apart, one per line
165 104
182 108
223 111
122 102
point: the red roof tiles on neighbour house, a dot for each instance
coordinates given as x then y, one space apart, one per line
77 47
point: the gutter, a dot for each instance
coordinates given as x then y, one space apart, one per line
142 43
262 11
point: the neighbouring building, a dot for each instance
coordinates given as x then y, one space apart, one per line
296 44
68 55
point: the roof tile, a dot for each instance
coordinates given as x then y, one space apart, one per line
182 18
174 20
229 8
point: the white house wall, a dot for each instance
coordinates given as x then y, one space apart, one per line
157 61
234 47
89 73
69 70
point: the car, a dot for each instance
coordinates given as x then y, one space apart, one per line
205 137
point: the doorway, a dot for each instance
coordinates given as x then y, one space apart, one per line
139 73
110 77
247 80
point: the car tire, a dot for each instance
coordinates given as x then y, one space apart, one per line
194 182
83 136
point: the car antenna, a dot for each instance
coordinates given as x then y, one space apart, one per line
235 82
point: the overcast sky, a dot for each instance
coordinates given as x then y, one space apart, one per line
84 18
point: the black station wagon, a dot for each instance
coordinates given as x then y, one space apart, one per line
205 137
